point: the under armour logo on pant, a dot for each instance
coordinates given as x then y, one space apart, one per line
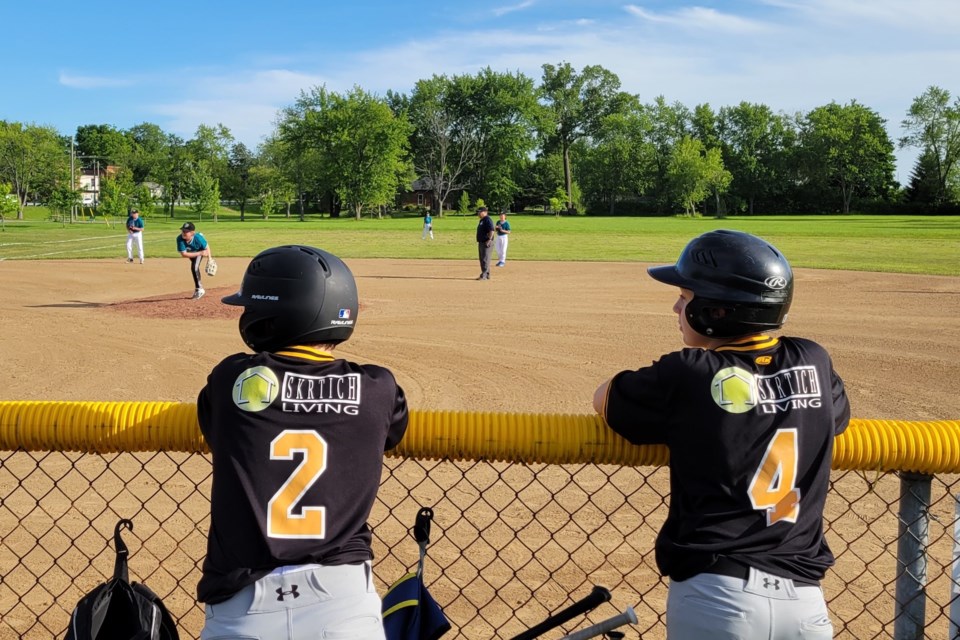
281 593
767 583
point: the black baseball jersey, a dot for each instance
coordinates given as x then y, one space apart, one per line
750 428
297 439
484 229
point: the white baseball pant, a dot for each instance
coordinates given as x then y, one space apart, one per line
501 246
763 607
295 603
131 239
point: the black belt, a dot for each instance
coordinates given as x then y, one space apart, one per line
733 569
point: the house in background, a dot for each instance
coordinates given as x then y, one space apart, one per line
90 180
421 196
89 184
89 187
156 190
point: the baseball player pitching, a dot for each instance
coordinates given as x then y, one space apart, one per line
297 437
750 420
192 245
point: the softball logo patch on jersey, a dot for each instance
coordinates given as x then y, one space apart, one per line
255 389
734 390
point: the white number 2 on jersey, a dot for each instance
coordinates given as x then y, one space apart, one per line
774 485
310 522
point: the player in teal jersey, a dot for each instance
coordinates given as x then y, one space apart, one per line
192 245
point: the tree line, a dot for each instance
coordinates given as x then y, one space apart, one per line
572 142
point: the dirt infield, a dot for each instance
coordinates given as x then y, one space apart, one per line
538 337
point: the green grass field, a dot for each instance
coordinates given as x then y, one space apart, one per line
903 244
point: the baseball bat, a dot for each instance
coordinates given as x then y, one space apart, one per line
609 624
595 598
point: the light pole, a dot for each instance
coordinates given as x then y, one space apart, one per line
73 179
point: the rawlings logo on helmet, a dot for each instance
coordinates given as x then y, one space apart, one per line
776 282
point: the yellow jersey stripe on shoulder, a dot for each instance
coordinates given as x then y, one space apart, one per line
752 343
306 353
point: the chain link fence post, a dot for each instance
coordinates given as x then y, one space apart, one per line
914 527
955 574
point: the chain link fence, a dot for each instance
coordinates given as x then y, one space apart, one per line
511 542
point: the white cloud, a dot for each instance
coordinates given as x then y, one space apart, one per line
501 11
699 18
93 82
247 121
797 56
929 16
245 102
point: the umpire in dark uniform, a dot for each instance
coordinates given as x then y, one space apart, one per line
485 232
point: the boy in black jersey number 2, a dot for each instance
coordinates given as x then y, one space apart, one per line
297 437
749 420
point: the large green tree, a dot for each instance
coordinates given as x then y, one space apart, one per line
444 145
273 173
100 145
116 194
202 189
294 152
173 171
933 125
210 146
148 151
846 148
669 124
32 159
497 111
694 172
9 203
236 187
618 163
924 185
575 105
364 146
755 144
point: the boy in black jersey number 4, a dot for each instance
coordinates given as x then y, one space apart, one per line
297 438
749 420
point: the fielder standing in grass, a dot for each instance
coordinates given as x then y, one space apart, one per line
297 436
503 238
750 421
193 246
134 235
427 227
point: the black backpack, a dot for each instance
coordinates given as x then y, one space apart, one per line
119 609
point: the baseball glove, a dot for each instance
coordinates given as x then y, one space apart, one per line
211 267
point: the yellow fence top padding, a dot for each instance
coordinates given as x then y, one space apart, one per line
103 427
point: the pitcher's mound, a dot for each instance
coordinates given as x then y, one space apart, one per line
181 306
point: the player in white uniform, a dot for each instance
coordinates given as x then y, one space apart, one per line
427 227
502 239
134 235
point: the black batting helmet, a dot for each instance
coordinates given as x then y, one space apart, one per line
296 294
741 283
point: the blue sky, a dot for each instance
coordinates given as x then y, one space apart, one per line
180 64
